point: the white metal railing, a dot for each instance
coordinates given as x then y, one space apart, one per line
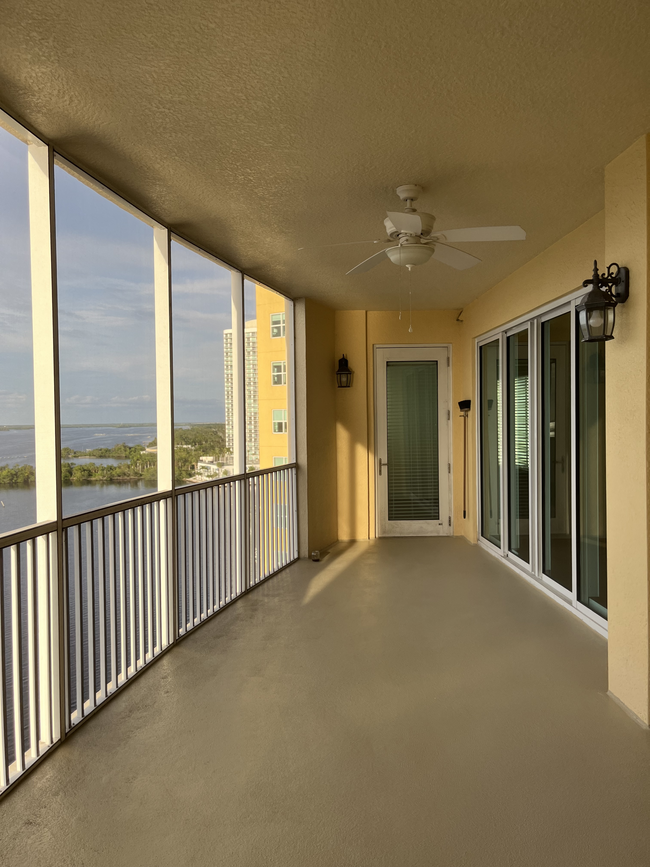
29 651
272 522
88 603
232 534
211 550
117 590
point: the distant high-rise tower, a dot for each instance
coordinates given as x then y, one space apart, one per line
250 373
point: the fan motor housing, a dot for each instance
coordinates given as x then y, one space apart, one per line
428 221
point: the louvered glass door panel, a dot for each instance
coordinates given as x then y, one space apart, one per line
412 440
518 446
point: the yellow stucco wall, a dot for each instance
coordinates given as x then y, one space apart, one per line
357 333
626 241
316 426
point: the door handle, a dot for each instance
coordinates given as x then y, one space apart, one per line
382 464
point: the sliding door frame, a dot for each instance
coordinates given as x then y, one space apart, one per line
533 571
532 447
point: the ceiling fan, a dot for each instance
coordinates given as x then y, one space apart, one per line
415 241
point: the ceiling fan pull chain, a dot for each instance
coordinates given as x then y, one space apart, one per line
410 267
401 281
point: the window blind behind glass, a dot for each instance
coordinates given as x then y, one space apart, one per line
412 428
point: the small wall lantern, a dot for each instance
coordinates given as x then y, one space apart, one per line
596 311
343 374
464 406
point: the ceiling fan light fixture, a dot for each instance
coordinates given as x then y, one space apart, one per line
410 254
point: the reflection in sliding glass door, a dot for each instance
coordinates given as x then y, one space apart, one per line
592 517
518 446
556 450
491 442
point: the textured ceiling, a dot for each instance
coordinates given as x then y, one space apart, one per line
256 128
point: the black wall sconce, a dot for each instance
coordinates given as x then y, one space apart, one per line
343 374
464 406
596 310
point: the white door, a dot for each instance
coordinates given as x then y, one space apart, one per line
412 441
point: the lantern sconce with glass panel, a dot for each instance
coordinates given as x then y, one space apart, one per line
596 311
343 374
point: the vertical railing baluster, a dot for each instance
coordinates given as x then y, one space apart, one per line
283 519
250 499
228 540
32 663
101 606
129 520
209 554
160 514
149 649
55 646
90 608
121 554
16 658
43 640
65 604
112 589
78 627
204 553
289 519
222 545
196 562
4 742
258 528
140 660
181 560
267 521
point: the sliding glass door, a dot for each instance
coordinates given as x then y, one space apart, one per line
541 455
490 366
557 551
519 446
592 513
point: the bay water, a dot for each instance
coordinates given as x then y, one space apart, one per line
18 505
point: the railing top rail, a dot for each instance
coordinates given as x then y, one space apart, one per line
271 470
211 483
25 533
14 537
113 508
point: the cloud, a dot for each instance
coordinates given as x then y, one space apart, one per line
81 400
130 401
12 399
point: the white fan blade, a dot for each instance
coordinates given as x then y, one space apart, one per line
344 244
367 264
457 259
482 233
410 223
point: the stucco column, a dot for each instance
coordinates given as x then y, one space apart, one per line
628 441
315 426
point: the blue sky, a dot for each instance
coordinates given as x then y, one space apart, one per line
106 309
16 377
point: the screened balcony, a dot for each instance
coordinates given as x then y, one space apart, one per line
148 474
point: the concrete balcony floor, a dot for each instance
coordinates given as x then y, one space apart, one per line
404 702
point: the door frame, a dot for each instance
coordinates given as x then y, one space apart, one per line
447 347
